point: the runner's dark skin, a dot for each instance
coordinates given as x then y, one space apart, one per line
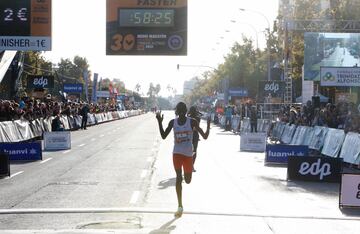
164 134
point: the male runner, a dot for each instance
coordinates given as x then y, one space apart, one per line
183 149
195 114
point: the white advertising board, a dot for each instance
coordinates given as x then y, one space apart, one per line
255 142
57 140
340 76
350 190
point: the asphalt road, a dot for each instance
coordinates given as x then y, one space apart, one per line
109 165
122 181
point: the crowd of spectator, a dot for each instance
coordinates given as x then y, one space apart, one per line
343 115
30 108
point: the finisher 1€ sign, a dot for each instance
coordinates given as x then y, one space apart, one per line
146 27
25 25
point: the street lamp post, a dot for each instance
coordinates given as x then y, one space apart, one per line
267 43
225 84
251 26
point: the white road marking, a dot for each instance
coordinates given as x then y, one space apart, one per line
13 175
134 197
93 139
45 160
66 151
81 145
102 135
149 159
143 173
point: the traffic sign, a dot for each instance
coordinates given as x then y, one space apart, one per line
146 27
25 25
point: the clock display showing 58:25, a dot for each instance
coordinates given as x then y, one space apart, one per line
146 18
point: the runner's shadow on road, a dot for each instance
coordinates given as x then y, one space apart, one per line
164 184
166 228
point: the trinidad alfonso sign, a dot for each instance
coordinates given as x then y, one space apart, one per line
340 76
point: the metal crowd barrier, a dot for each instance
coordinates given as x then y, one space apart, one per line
238 125
327 141
23 130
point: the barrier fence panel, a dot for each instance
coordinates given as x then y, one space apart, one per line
309 135
300 135
245 125
350 150
11 133
333 141
288 133
64 120
318 138
37 127
235 123
47 123
24 129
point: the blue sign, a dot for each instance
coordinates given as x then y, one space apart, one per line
238 92
280 153
22 151
73 88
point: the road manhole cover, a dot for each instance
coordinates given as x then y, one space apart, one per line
133 223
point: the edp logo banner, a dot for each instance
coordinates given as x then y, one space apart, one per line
40 82
280 153
318 169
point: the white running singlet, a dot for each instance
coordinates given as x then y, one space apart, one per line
183 135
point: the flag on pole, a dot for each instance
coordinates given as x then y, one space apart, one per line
99 88
85 76
93 96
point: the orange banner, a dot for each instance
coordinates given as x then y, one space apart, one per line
112 6
41 18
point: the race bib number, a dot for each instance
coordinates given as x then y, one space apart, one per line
182 137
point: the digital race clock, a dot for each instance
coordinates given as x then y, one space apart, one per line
146 17
146 27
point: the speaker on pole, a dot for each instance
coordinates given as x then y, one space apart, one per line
316 101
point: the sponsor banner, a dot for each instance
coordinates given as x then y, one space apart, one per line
280 153
238 92
22 151
255 142
40 82
349 153
350 190
271 88
103 94
317 169
57 140
73 88
25 25
340 76
25 43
